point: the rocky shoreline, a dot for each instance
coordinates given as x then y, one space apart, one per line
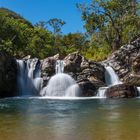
90 75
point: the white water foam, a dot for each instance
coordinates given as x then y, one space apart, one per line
29 77
61 84
111 78
55 98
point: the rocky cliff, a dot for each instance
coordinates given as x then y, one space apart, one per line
126 62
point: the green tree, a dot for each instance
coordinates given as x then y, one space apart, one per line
111 22
41 24
74 42
56 25
14 35
41 43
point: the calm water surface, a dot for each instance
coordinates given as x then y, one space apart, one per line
43 119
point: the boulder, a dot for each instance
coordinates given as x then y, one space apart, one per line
121 91
8 75
48 67
84 69
88 89
73 62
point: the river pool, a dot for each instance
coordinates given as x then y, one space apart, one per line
91 119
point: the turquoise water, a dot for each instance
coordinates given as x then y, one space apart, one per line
45 119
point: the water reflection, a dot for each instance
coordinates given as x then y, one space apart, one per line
36 119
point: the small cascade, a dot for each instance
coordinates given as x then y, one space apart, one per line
29 77
101 92
138 89
111 78
59 67
61 84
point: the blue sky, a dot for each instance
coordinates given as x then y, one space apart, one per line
43 10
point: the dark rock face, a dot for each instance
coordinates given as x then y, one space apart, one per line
73 62
121 91
126 61
84 69
88 88
48 68
89 75
8 75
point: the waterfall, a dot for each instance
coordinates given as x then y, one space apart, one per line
59 67
29 77
138 90
111 78
61 84
101 92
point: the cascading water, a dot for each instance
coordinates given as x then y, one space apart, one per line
59 67
29 77
61 84
111 78
138 89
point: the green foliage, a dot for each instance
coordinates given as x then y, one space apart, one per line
111 22
19 39
41 43
74 42
97 53
56 25
8 13
14 35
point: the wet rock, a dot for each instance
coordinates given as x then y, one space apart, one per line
48 67
8 75
121 91
88 88
84 69
76 66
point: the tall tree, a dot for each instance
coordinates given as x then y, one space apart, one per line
111 21
56 25
41 24
74 42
